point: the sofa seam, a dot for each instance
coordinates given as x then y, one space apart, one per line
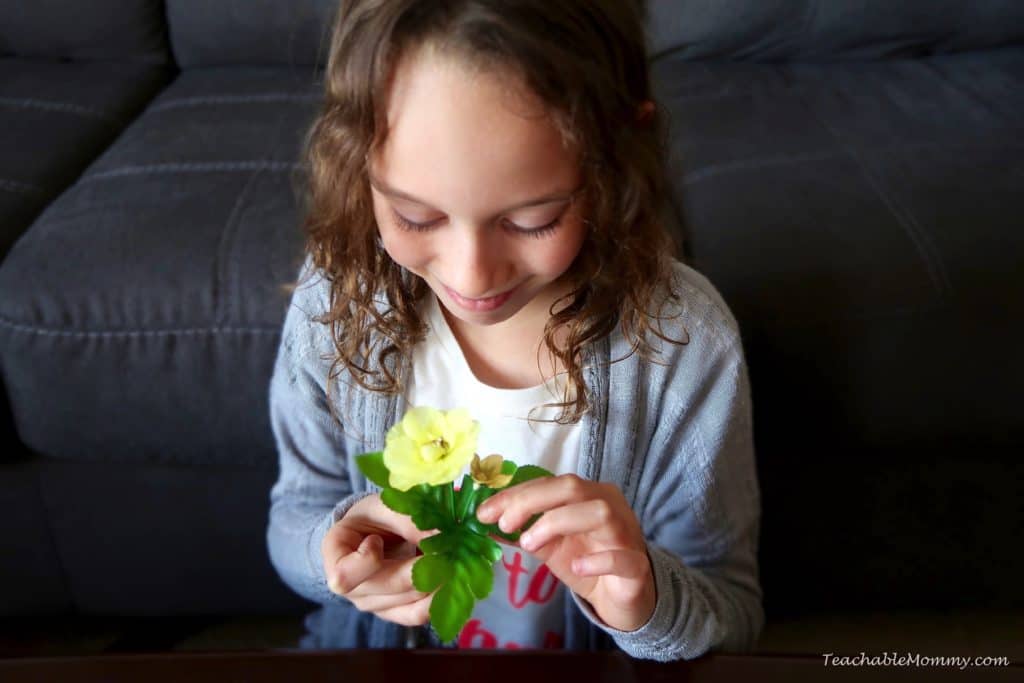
185 462
221 258
843 152
49 331
184 102
20 187
48 105
193 167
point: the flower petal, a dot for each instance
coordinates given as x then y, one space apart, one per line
500 481
422 423
491 465
429 446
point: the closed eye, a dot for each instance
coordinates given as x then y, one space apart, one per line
537 232
407 224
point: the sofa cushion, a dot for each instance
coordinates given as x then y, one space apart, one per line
126 30
156 540
32 580
812 30
250 32
863 222
54 119
153 337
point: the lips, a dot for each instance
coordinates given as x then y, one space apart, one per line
480 305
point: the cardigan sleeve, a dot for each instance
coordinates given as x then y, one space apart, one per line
701 515
313 489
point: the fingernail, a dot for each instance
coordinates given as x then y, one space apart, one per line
485 514
526 541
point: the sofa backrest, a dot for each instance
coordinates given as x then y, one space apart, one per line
819 30
132 30
250 32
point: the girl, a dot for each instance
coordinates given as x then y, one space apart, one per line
482 233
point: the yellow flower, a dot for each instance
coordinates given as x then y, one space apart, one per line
488 471
429 446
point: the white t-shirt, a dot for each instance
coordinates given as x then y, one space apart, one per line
525 608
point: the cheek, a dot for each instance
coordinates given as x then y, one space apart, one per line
561 251
402 249
407 249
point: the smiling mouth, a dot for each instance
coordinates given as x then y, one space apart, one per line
485 304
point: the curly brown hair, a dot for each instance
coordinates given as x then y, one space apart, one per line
586 61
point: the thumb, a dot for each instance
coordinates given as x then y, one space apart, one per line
420 535
412 533
403 525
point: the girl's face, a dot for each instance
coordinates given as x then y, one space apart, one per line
474 192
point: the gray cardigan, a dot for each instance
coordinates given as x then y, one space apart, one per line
674 435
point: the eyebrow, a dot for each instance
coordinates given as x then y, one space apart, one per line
384 188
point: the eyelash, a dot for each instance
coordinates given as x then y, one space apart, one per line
536 233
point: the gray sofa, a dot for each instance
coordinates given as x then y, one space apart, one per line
850 179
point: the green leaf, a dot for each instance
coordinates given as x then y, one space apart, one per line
428 517
482 494
514 536
450 609
373 468
477 572
528 472
464 497
430 571
444 542
461 568
458 562
482 545
448 500
474 525
404 502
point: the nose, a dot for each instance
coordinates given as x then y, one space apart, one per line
476 266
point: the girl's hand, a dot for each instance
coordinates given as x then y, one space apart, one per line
368 556
589 538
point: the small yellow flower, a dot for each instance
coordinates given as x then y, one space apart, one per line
488 471
429 446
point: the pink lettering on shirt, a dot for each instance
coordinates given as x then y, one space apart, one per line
474 635
536 591
540 587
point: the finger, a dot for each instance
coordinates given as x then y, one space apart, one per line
624 563
491 509
393 576
403 526
339 541
378 603
503 541
596 516
354 568
415 614
372 516
513 507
